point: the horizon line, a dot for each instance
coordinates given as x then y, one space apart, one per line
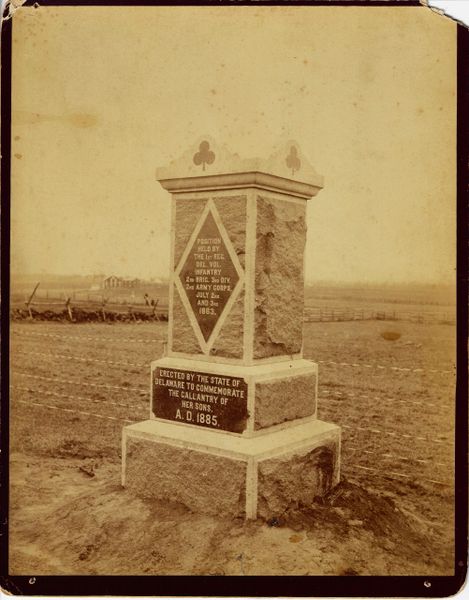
308 282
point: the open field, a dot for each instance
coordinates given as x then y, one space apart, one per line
74 386
373 295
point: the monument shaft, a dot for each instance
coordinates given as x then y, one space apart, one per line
247 278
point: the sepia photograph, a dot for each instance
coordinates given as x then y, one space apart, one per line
233 293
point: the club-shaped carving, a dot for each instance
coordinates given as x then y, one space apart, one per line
204 156
293 161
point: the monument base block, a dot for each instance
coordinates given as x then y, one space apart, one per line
218 473
246 400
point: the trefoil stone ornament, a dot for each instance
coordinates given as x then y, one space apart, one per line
293 161
204 155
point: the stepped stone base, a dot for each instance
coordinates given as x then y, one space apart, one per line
219 473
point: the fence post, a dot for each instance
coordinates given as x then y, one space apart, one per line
103 304
155 304
69 308
28 302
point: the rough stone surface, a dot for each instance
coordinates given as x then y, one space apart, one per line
232 210
296 480
187 215
279 284
284 400
184 339
229 342
203 482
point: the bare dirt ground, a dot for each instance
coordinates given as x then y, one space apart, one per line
74 386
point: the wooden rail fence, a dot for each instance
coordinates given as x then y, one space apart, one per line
71 304
318 314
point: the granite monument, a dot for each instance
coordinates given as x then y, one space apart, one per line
233 425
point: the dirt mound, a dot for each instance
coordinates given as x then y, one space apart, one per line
349 508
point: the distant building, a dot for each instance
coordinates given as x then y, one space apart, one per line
119 282
112 282
129 282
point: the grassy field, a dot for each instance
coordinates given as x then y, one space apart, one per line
74 386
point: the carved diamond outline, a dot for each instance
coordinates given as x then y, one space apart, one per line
199 293
206 345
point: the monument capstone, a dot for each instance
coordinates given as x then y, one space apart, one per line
233 425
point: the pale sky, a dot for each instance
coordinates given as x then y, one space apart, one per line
104 95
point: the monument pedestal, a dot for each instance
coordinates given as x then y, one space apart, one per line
220 474
232 426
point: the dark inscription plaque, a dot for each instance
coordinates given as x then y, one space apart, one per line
204 399
208 276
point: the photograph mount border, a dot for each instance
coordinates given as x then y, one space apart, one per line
262 586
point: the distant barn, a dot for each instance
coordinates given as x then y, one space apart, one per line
119 282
